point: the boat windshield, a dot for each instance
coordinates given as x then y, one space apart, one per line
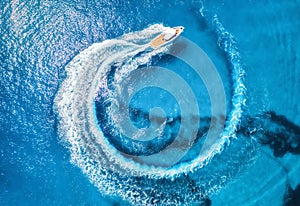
170 33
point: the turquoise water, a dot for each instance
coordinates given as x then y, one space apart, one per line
212 117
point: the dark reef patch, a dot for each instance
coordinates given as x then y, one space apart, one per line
292 197
275 131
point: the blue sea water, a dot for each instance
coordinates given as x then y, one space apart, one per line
52 54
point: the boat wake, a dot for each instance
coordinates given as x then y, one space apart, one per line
134 127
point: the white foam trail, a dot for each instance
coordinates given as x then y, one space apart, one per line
112 173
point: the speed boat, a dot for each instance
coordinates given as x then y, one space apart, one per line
166 37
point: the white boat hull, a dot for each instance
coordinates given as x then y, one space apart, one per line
161 39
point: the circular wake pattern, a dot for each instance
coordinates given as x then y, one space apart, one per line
135 129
